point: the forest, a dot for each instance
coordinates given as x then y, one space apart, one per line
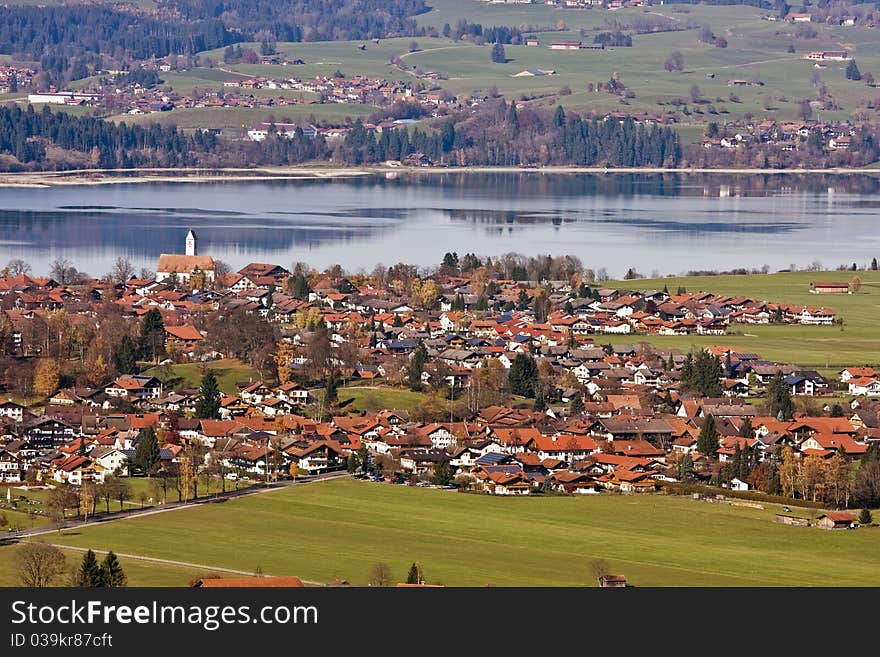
499 134
496 134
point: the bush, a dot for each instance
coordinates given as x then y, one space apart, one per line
865 517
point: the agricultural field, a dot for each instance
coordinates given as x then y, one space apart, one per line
342 528
826 348
757 49
189 375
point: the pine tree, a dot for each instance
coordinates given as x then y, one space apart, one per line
208 401
415 575
416 368
147 451
88 575
779 402
151 343
576 405
865 517
852 71
746 430
540 403
442 473
126 358
523 375
331 390
112 573
707 441
298 286
498 56
774 484
685 468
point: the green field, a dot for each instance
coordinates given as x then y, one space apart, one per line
828 348
756 48
189 375
342 528
374 399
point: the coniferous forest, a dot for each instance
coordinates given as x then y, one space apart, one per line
496 134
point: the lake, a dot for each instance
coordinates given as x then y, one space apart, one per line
655 223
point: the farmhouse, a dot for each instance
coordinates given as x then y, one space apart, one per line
829 288
827 55
565 45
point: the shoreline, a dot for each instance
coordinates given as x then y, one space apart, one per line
43 179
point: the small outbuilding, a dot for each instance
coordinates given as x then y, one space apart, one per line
836 520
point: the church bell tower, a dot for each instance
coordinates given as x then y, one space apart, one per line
191 243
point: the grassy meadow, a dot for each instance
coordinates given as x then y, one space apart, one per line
228 371
342 528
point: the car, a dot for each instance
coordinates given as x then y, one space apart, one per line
786 509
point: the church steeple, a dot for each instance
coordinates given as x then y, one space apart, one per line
191 243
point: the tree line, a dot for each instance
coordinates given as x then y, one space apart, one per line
308 20
500 134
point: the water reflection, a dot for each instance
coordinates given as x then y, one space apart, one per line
668 222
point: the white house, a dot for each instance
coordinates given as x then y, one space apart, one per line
13 411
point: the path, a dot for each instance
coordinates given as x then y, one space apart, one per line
171 562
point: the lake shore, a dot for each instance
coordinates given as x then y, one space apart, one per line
199 175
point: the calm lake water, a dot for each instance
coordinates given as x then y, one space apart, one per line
656 223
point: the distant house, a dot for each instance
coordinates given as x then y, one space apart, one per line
612 581
137 387
828 288
532 41
830 55
565 45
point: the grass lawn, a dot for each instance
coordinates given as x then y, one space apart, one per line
828 348
139 573
342 528
374 398
228 371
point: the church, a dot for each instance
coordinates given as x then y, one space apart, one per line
184 266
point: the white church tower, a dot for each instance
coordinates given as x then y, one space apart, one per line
191 239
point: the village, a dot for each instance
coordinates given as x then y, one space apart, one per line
527 386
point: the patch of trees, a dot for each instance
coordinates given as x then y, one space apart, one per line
618 38
500 134
479 34
25 134
64 32
309 20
